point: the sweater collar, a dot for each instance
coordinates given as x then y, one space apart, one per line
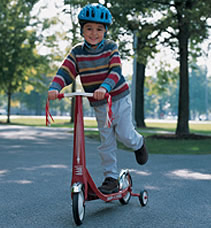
89 48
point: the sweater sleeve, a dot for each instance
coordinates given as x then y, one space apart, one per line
66 74
115 70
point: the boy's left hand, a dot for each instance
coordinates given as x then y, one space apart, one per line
99 93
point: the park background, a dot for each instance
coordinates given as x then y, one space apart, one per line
165 48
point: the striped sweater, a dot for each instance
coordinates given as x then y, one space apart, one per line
96 67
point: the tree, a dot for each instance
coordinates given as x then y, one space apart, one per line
17 42
185 27
21 36
137 17
145 49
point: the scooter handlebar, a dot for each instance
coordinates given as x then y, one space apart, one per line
109 115
63 95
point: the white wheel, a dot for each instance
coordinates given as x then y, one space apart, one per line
143 198
124 182
78 207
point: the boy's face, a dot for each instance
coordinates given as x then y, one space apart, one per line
93 33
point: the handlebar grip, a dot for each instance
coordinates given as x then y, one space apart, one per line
60 96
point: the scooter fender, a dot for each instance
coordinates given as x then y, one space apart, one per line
123 172
76 187
122 176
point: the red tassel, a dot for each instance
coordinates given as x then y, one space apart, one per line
47 114
109 117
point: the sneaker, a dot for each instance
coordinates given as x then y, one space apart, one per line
109 185
141 155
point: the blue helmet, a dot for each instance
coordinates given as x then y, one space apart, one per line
95 13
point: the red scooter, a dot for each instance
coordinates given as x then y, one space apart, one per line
83 187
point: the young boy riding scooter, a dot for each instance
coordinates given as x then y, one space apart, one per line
97 62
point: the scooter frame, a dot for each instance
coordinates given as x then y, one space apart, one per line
83 187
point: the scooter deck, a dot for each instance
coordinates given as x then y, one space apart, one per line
93 192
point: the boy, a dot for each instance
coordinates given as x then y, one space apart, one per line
98 63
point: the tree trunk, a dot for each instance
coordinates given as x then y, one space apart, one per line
139 101
8 106
183 108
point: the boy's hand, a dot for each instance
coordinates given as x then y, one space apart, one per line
99 94
52 94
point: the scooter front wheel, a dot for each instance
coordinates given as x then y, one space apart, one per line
78 207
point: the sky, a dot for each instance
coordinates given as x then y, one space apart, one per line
127 66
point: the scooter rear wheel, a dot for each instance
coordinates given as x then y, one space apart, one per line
143 198
78 207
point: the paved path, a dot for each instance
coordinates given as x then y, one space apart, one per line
35 172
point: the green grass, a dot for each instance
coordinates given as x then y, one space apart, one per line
168 146
200 128
156 146
178 146
32 121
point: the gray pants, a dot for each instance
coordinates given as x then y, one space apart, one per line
122 129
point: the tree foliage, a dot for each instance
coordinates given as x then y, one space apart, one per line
17 43
20 35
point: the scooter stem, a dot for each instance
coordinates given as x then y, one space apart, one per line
79 161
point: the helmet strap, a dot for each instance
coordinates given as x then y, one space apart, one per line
99 45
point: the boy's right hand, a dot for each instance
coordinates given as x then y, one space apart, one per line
53 94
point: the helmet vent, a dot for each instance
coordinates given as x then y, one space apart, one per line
87 13
102 15
93 13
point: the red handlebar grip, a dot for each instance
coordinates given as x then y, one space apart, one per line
60 96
